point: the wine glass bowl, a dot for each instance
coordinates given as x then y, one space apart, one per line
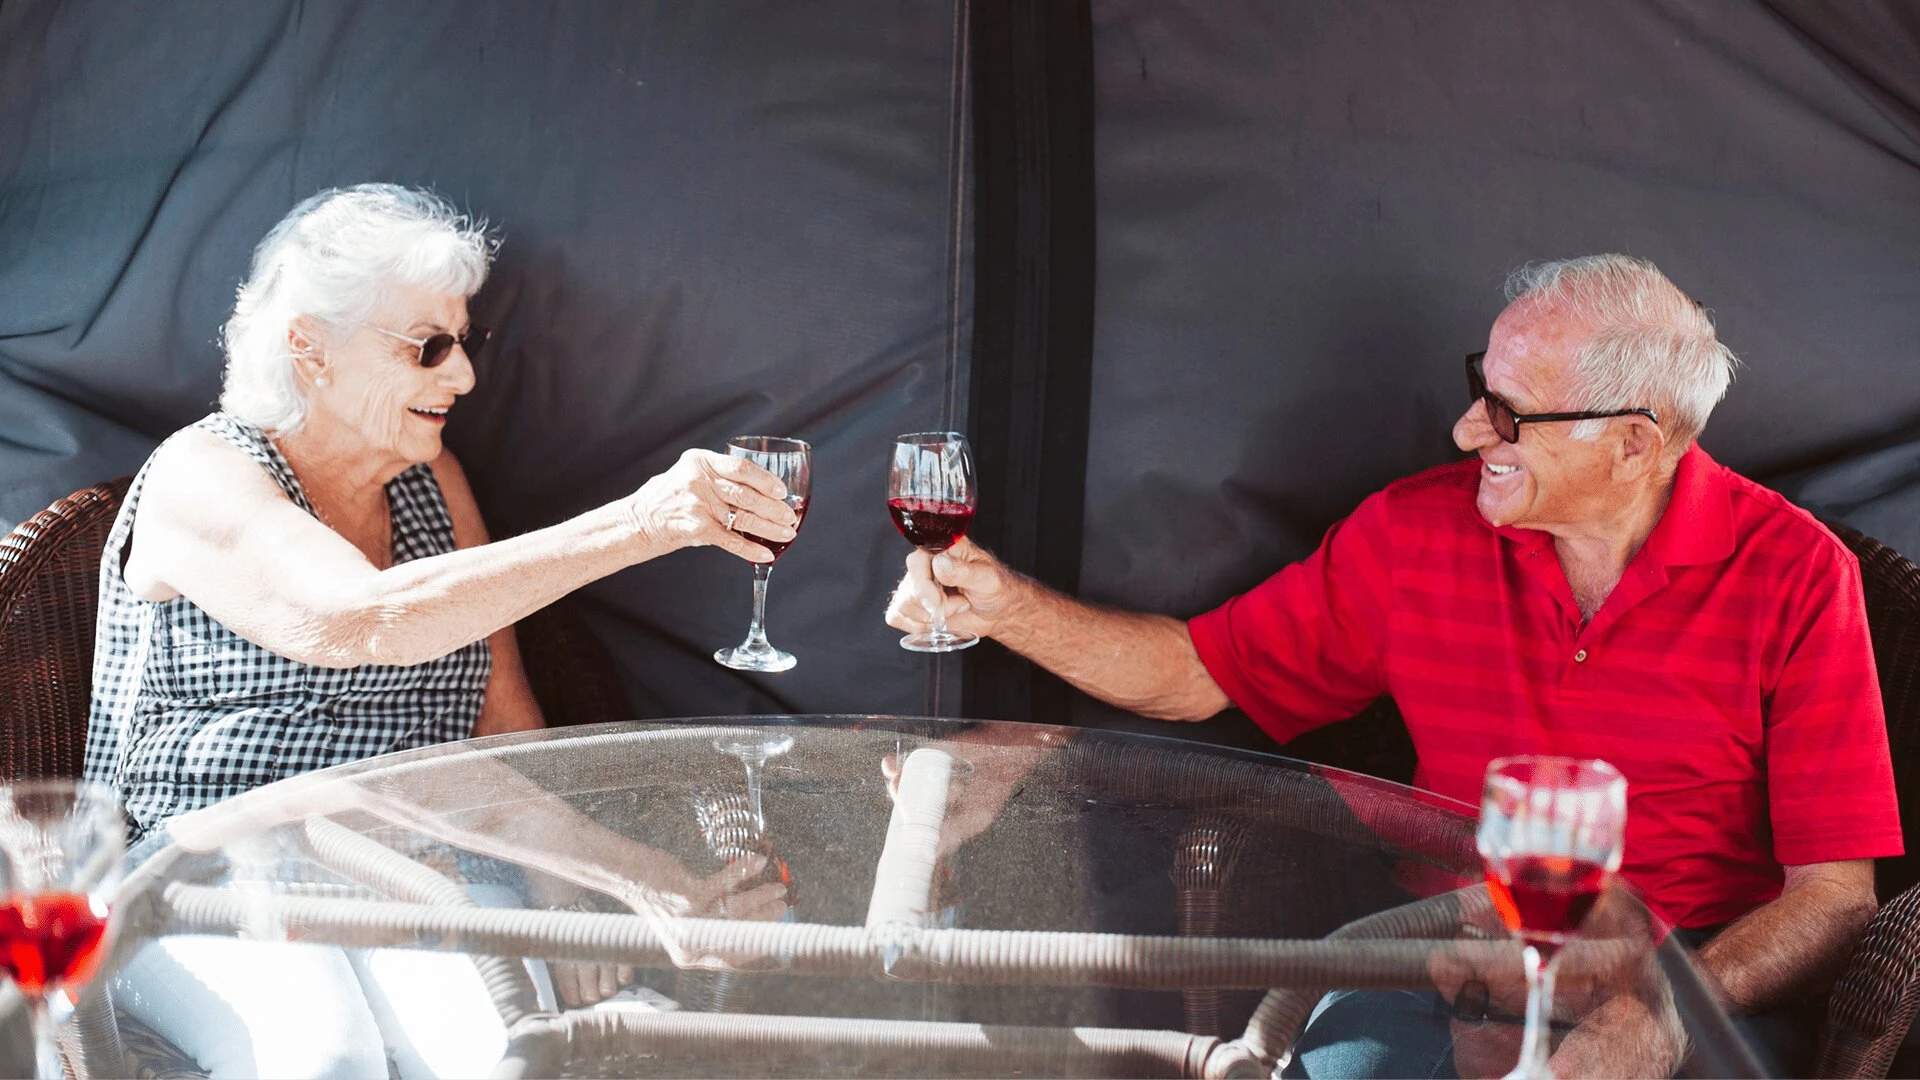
931 498
791 460
62 847
1552 834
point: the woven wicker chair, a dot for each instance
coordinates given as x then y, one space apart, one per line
49 591
1872 1007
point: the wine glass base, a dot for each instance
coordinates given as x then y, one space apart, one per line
931 642
755 658
756 746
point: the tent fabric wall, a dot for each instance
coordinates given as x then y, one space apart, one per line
723 216
719 218
1306 212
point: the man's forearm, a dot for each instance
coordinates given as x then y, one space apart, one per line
1798 940
1142 663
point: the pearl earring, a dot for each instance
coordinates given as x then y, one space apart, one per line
321 380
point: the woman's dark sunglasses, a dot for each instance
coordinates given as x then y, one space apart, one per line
435 349
1506 422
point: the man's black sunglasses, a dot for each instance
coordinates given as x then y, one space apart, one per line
435 349
1506 422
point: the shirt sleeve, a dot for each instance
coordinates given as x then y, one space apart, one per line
1829 775
1306 646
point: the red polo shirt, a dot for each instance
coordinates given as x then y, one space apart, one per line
1729 676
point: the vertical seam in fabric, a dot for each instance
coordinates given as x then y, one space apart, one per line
958 88
958 85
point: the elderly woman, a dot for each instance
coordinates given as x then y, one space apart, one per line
303 579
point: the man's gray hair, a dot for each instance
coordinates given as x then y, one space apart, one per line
1653 347
330 259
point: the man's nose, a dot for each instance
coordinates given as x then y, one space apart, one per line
1472 431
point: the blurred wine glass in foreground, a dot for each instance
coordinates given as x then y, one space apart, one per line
62 844
931 496
1552 832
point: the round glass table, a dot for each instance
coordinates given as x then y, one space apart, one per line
848 895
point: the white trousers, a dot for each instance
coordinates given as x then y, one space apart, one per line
258 1009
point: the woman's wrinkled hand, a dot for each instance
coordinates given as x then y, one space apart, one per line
709 500
731 894
580 985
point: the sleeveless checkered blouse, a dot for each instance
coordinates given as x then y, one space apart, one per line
186 712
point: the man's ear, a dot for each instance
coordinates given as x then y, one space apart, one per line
1640 448
307 346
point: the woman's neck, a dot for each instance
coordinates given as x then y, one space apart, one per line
337 473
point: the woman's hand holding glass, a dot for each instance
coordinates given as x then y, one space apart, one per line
710 500
790 463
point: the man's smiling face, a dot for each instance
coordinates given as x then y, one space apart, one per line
1547 480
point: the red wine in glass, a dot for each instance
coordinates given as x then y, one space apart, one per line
931 496
930 523
62 852
1545 896
1552 831
778 547
50 940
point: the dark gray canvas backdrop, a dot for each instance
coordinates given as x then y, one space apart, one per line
731 216
1306 211
719 218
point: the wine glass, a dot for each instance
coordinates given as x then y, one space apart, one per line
792 461
754 749
931 496
1551 835
62 844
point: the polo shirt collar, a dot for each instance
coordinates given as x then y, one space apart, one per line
1696 528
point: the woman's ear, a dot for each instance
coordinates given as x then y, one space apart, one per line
307 348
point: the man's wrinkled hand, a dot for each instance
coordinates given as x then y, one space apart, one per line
966 583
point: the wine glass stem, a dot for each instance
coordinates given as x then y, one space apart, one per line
46 1051
1535 1044
937 625
757 633
753 793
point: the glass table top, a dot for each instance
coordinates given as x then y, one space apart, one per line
846 895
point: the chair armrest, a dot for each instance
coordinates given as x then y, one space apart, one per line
1873 1004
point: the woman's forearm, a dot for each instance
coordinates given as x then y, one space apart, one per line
426 608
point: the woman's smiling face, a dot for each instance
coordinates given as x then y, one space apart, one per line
372 392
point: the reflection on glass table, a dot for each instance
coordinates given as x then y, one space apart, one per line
881 896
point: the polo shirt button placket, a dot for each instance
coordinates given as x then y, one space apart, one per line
1576 680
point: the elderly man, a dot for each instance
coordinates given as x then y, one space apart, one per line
1590 584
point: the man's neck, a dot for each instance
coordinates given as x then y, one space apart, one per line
1595 555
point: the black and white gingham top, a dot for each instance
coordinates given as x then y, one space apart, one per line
186 712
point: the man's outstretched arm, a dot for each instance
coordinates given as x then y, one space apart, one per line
1142 663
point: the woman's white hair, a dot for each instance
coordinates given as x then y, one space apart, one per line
1653 347
330 260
